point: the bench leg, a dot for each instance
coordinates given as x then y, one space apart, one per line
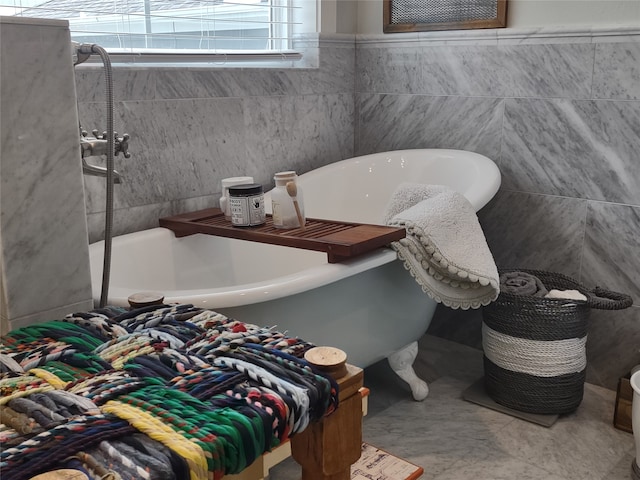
327 449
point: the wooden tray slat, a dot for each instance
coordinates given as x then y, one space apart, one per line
340 240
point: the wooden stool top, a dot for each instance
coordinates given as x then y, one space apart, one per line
330 360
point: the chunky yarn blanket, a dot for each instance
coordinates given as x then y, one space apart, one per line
163 392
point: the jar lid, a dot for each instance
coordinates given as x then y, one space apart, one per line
245 189
282 178
286 174
227 182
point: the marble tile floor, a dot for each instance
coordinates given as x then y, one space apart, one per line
453 439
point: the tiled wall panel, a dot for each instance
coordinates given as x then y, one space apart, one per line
191 127
559 115
561 118
43 251
391 122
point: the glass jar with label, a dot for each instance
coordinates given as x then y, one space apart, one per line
246 203
287 201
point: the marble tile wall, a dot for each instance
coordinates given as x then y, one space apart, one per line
43 250
191 127
560 114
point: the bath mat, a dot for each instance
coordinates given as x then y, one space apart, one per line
379 464
477 394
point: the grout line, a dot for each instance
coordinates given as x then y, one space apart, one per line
584 239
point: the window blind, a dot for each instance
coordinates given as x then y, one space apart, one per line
152 29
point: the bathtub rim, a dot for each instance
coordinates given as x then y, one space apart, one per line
479 195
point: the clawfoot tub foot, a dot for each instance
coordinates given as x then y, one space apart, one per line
401 362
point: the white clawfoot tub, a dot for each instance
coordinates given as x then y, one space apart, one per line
368 306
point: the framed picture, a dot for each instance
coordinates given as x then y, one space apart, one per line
424 15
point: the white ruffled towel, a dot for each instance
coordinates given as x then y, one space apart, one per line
445 249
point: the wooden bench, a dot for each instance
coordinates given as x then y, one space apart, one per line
326 449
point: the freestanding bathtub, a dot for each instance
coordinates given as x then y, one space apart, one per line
369 306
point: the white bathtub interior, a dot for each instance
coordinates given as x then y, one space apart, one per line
217 272
201 261
358 190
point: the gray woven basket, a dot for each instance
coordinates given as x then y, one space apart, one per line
539 344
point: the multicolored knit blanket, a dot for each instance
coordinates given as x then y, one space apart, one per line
163 392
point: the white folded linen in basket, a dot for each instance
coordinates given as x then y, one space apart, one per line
445 249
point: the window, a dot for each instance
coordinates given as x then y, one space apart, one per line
170 26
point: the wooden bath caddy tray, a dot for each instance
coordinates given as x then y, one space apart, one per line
341 240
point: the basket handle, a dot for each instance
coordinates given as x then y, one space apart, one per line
604 299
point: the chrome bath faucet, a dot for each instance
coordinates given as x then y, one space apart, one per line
96 145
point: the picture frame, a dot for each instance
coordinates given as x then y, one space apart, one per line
425 15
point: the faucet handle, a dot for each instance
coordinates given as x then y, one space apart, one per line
122 145
99 136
